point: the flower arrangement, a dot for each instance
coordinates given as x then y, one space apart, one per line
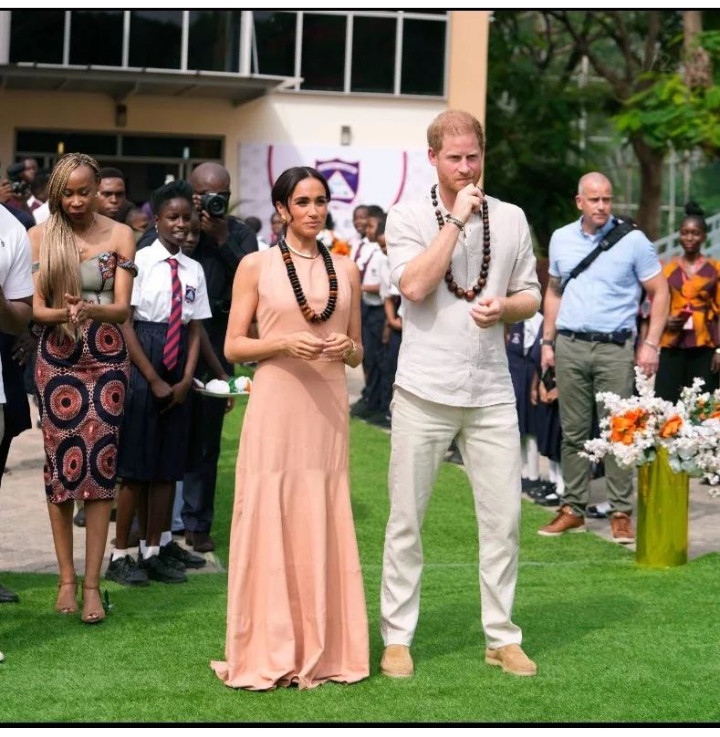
635 427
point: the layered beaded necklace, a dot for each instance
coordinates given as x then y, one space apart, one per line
457 290
308 313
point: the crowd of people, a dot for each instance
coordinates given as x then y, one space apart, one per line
108 312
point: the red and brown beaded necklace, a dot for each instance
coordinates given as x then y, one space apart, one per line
458 291
308 313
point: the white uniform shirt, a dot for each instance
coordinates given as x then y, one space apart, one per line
42 213
15 268
368 258
445 357
152 288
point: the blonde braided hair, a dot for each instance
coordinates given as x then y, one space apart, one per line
59 255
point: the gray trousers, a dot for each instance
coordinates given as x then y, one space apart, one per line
582 370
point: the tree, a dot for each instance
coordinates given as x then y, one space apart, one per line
533 156
625 48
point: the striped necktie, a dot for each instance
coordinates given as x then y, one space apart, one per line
172 339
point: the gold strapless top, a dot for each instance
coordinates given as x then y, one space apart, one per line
97 276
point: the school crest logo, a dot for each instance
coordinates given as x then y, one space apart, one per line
343 178
190 294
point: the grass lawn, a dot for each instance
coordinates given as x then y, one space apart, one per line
613 642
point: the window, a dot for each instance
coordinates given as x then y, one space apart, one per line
94 144
170 147
214 40
96 37
155 38
373 54
274 48
323 52
423 57
37 35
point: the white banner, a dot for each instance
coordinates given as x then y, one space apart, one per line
357 176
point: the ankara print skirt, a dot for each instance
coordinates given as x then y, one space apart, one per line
81 390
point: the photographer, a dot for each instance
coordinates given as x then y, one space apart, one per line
224 241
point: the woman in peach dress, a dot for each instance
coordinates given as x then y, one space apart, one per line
296 605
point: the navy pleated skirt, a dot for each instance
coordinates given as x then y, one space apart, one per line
153 445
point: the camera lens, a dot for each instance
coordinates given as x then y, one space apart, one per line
214 204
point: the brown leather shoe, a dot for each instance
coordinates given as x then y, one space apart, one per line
622 528
511 659
396 662
565 521
202 542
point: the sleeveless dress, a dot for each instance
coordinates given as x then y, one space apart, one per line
81 392
296 605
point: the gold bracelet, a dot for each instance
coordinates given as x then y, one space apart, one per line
351 352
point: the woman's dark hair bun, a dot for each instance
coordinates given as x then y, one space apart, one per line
692 208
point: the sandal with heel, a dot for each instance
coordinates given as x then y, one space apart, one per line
67 609
94 617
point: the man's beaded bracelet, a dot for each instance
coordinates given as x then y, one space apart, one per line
455 221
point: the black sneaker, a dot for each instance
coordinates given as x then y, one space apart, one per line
126 572
549 500
530 486
360 409
79 518
158 570
188 559
170 560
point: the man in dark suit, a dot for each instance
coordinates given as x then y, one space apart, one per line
224 241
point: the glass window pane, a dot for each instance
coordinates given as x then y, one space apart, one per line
171 147
95 144
275 42
155 38
323 52
87 26
214 43
423 57
37 35
373 55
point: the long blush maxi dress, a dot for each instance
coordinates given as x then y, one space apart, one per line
296 605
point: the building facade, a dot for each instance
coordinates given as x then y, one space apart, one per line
154 92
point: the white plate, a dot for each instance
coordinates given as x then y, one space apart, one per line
206 393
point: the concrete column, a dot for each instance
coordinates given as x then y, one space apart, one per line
468 59
5 36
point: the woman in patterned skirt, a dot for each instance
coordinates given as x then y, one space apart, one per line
83 264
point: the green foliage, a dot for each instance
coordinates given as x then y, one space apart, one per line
667 112
613 642
533 156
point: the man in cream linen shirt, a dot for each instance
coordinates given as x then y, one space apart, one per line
453 382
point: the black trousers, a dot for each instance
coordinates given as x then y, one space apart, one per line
679 366
200 477
392 351
373 321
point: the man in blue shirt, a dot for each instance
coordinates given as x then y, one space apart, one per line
589 339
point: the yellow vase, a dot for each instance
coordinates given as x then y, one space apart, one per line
662 514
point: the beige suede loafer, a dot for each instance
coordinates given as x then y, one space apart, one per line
396 662
511 659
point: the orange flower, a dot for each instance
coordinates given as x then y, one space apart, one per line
341 248
671 427
715 414
624 427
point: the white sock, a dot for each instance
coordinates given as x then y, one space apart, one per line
557 478
117 554
142 548
530 457
165 538
151 550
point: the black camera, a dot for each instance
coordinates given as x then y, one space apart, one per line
214 204
20 187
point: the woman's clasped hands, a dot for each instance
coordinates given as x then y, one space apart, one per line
79 310
309 347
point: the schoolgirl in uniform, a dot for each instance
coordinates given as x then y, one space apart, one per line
169 299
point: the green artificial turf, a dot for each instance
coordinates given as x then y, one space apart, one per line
613 642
